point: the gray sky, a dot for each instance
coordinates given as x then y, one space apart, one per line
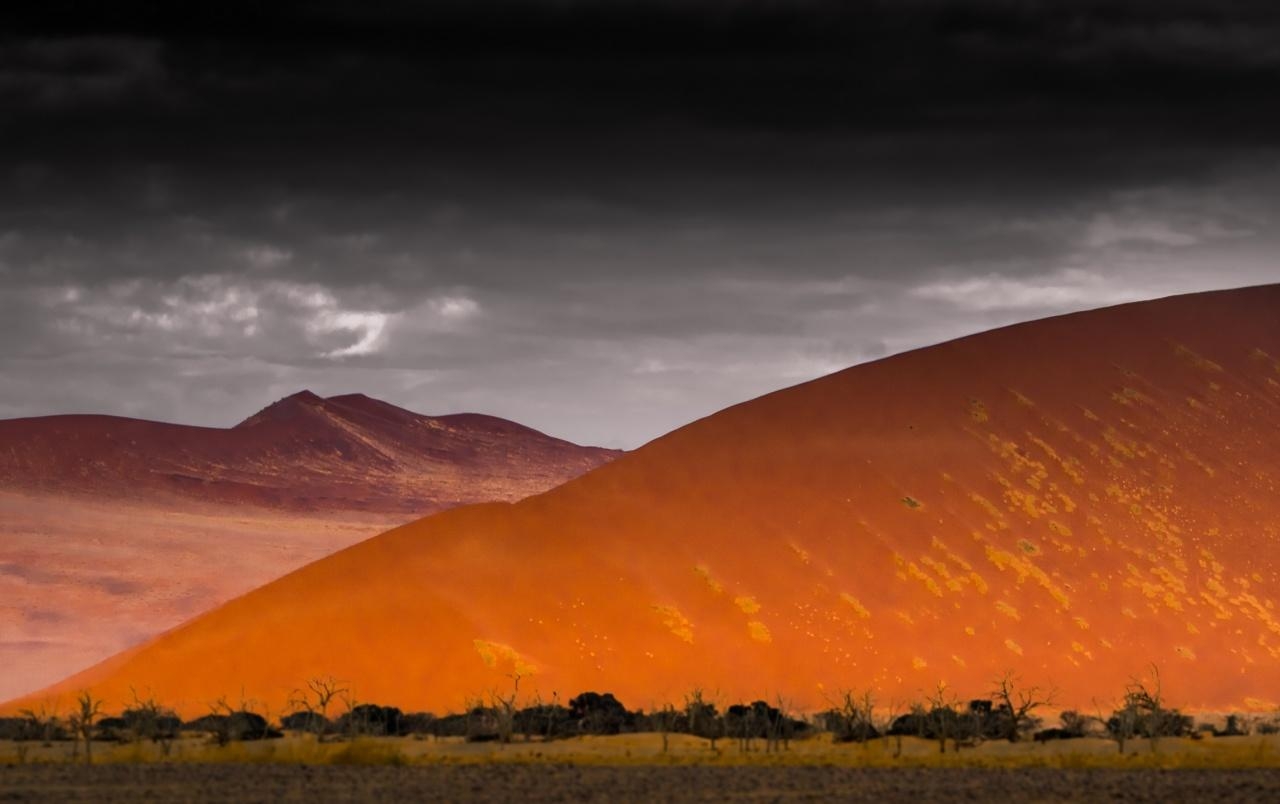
602 219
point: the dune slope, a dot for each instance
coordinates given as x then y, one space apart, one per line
1072 498
113 530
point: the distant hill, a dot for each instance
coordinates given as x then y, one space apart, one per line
1071 498
113 530
302 453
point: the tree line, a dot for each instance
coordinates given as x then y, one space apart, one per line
328 710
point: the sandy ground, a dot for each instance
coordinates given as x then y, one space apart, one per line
525 782
114 574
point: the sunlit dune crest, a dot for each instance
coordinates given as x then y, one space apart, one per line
1042 497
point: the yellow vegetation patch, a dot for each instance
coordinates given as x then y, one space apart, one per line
958 660
952 557
856 604
1013 646
924 578
497 656
759 631
988 506
1119 445
978 411
747 603
919 663
1031 504
1202 363
704 573
968 629
1082 623
675 622
938 567
800 552
1185 652
1059 529
979 583
1003 560
1008 610
1028 547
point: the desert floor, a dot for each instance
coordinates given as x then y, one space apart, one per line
567 782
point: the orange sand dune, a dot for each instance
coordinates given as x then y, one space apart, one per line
1072 498
113 530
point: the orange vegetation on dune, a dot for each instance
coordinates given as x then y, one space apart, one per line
1073 498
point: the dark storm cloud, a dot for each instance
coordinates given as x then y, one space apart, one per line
549 210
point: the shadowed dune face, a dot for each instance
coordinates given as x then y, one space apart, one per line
113 530
1072 498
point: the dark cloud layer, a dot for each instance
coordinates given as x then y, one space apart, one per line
602 218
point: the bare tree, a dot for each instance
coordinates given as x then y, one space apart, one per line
703 718
1145 698
665 719
1121 726
149 720
942 717
43 722
476 717
315 699
552 712
81 723
849 718
504 709
779 731
354 726
888 716
1016 704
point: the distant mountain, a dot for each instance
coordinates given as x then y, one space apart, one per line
1071 498
113 530
302 453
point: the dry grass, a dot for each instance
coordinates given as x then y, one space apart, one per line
646 750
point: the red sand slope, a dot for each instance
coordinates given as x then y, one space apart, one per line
113 530
303 453
1072 498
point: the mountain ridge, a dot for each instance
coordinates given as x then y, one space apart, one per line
302 452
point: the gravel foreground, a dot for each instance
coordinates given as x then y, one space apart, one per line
282 783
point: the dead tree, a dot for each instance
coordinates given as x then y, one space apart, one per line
149 720
703 718
504 709
43 722
888 716
1015 705
551 711
1121 726
81 722
779 733
665 719
1146 700
315 699
942 717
